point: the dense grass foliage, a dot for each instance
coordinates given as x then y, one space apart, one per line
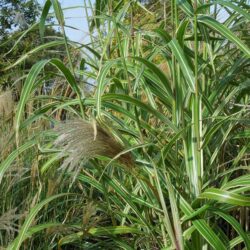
137 140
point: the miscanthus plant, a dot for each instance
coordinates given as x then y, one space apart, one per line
142 142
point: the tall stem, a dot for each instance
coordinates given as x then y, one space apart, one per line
197 109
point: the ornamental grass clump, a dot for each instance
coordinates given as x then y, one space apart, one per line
166 94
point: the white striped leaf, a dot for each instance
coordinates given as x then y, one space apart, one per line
223 30
185 68
225 197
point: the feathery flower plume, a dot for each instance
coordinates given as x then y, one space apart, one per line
82 140
8 221
6 104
